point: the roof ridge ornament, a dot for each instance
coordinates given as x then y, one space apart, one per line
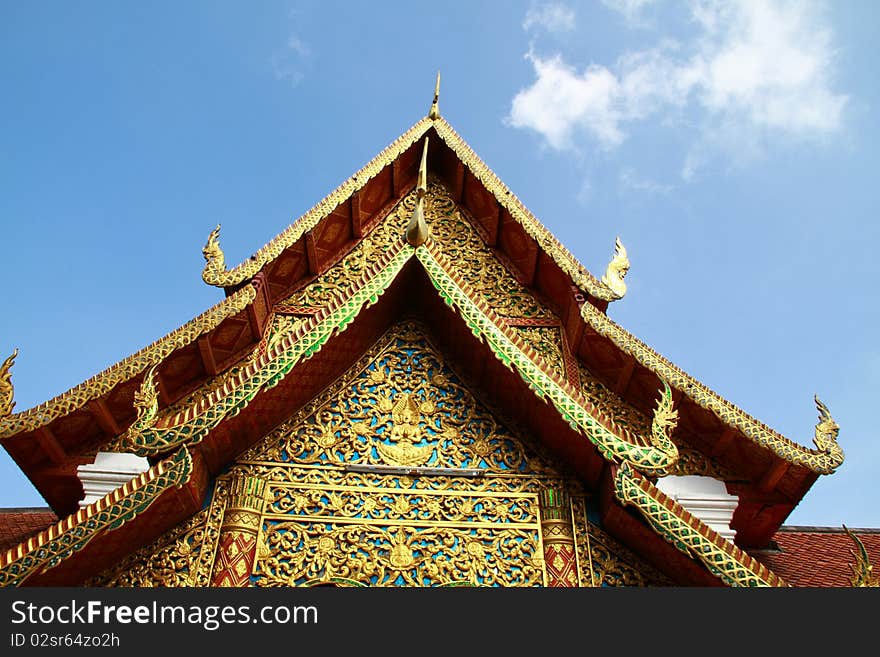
417 232
827 430
435 109
6 389
215 260
863 574
616 271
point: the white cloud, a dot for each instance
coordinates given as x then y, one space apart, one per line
631 9
290 63
552 17
629 180
561 100
760 67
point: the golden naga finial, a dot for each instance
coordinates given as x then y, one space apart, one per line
417 232
435 109
215 261
863 574
6 389
146 398
664 422
616 270
826 429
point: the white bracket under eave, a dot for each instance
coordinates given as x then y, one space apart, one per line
704 497
109 471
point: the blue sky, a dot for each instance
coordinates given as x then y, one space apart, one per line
732 146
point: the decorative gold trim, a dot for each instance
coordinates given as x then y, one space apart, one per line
689 534
434 112
546 241
151 434
534 228
246 270
657 457
6 390
215 260
617 270
863 571
417 232
55 544
824 460
105 381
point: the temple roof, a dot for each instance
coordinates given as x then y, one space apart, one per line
157 383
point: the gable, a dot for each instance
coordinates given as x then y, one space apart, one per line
398 473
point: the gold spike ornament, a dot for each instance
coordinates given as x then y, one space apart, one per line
417 232
6 389
435 109
616 271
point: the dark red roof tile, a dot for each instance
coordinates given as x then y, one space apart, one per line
17 525
818 556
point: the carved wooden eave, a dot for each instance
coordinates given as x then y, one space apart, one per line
784 469
81 544
770 473
211 429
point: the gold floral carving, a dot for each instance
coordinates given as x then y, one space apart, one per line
402 389
324 523
611 563
170 560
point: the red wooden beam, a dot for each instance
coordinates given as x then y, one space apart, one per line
312 253
207 353
104 417
458 182
531 267
50 446
773 475
355 206
574 325
162 390
625 376
494 231
396 178
259 310
723 441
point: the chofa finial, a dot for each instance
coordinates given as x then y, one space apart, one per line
417 232
863 571
6 389
215 261
616 270
435 109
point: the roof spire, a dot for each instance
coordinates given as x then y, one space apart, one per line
6 389
417 232
435 110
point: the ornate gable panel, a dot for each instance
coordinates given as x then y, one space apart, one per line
395 475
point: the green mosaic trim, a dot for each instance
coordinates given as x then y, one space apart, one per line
652 458
672 528
150 435
824 460
79 533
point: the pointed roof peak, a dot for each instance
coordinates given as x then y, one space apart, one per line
435 109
